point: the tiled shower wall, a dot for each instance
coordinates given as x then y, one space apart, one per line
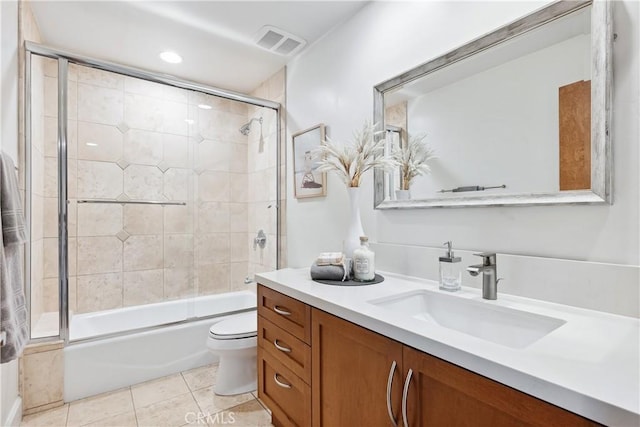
37 189
131 139
263 200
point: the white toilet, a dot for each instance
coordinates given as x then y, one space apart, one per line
234 341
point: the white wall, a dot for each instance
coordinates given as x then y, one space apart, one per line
9 400
332 81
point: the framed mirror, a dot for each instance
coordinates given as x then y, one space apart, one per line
519 116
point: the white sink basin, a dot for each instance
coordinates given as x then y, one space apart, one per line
490 322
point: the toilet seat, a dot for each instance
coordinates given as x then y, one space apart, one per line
240 326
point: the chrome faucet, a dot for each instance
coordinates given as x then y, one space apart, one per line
488 268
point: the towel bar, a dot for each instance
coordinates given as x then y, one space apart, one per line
134 202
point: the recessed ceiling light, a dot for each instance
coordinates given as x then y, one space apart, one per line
189 121
92 144
171 57
204 106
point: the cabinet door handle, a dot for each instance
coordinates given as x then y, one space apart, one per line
389 383
405 393
279 310
280 347
280 383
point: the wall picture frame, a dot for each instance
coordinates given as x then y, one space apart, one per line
308 181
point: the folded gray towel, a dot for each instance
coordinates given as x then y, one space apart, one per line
328 272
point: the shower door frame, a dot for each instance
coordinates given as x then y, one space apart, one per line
63 58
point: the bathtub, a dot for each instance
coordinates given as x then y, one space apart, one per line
126 358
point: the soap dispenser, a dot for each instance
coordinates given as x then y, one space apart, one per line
450 270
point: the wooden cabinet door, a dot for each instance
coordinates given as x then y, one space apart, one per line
443 394
350 368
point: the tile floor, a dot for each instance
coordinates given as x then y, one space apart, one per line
184 399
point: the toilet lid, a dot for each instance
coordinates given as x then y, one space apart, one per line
243 325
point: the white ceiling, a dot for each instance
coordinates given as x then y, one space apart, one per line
214 38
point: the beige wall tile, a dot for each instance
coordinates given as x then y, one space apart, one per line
175 94
51 97
213 186
50 294
213 155
50 137
99 180
178 250
239 271
143 182
238 217
99 219
213 278
100 78
238 158
143 87
99 142
213 248
143 147
143 112
174 114
42 378
239 243
99 292
103 406
176 151
99 105
178 219
238 191
178 283
99 255
176 184
143 287
50 252
213 217
143 252
50 188
143 219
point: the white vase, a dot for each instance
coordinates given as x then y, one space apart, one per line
403 195
352 240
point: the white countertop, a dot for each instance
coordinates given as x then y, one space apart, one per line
590 365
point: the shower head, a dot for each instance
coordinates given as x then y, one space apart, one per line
246 128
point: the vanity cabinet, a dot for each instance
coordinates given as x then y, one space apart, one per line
442 394
340 374
284 358
350 371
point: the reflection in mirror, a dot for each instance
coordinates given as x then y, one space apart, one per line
510 121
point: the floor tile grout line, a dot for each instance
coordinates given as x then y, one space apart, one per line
133 403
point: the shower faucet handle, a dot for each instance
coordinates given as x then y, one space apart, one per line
260 240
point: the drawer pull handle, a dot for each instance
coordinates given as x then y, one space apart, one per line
280 383
392 371
279 310
405 394
281 348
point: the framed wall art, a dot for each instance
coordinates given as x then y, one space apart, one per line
308 181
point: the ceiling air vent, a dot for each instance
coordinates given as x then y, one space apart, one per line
279 41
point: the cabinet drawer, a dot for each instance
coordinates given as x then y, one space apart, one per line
285 394
293 353
285 312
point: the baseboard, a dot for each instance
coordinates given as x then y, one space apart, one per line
14 418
